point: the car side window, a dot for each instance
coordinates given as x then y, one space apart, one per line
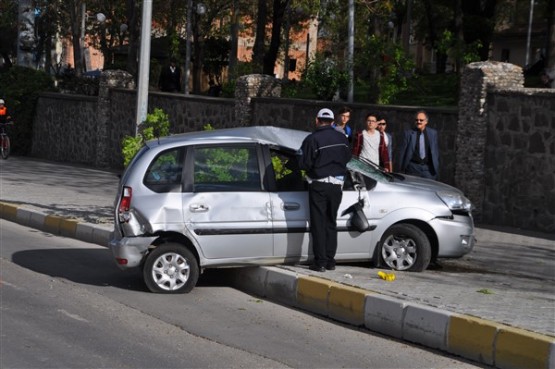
226 169
165 171
288 175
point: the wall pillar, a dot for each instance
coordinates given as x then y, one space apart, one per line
472 129
108 79
249 86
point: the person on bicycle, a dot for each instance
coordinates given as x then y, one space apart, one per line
4 116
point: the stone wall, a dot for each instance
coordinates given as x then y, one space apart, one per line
65 127
498 147
505 147
519 178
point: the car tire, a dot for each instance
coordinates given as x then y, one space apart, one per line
171 268
405 247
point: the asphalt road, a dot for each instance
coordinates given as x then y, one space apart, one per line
65 305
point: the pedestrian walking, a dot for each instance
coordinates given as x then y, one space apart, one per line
386 146
419 150
324 155
343 126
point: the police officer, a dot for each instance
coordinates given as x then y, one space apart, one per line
324 155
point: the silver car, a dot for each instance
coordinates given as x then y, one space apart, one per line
236 197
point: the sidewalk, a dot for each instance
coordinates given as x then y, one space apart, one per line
495 306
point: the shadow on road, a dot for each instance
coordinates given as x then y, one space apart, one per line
95 267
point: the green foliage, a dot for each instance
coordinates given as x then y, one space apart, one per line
430 90
20 88
466 53
222 165
384 65
324 77
156 125
394 78
228 89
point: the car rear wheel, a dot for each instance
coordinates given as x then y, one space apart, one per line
405 247
171 268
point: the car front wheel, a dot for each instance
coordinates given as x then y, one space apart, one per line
171 268
405 247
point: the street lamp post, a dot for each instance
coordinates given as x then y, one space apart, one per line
144 65
350 60
529 33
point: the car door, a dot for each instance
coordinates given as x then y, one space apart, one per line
224 203
289 204
291 214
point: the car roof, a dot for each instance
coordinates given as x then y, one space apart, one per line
283 137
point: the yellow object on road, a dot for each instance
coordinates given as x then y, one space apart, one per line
390 277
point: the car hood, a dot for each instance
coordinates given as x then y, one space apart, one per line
419 183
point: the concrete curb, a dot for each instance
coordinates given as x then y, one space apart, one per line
473 338
482 341
56 225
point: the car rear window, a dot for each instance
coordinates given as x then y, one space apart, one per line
165 172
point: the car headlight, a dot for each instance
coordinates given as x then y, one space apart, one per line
455 201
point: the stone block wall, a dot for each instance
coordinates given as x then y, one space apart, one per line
65 128
505 147
519 177
498 146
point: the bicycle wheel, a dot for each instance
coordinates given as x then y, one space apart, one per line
5 147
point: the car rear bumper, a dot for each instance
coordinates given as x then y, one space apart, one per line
456 236
130 251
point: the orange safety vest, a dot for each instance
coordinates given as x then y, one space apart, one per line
3 110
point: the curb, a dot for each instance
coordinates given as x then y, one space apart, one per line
472 338
55 224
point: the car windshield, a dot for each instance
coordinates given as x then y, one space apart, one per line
369 169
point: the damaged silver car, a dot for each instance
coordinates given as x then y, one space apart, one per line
236 197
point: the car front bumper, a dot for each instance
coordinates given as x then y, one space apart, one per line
455 236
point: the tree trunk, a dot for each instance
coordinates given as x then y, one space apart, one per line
259 47
459 35
76 17
277 21
232 69
133 29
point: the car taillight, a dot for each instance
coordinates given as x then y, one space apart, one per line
125 204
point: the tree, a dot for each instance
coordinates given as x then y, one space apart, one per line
8 31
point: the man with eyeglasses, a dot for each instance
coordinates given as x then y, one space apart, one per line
419 150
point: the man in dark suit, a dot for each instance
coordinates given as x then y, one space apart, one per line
170 78
419 150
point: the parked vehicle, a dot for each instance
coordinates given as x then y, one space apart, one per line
236 197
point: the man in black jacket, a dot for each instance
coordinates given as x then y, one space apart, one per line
324 155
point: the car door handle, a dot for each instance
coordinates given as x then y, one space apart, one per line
291 206
198 208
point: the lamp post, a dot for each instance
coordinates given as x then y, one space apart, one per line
350 60
529 33
144 64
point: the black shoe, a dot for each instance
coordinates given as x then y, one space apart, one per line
330 267
317 268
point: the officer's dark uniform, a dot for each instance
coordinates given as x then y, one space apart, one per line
325 154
